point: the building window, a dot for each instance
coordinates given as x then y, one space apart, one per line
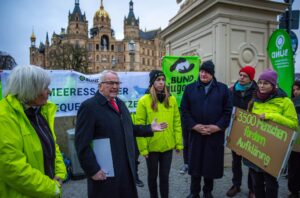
77 25
97 58
112 47
148 62
97 47
90 47
143 61
148 53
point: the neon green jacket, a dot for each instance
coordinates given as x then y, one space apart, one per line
163 141
280 110
21 156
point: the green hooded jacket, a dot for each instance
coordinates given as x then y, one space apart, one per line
21 156
168 139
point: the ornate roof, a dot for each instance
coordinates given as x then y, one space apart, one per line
101 12
131 20
77 13
150 35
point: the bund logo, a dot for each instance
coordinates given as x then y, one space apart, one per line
182 66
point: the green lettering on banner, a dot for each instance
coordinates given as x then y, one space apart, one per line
281 55
252 149
180 71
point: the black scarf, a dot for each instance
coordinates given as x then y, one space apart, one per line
161 96
42 129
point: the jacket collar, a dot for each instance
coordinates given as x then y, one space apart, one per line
47 109
103 101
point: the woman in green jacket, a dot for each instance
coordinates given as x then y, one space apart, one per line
270 103
158 104
30 161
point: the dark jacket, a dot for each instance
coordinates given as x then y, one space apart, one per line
97 118
241 99
206 152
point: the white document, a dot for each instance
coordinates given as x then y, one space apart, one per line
103 155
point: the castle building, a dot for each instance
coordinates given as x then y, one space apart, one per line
138 51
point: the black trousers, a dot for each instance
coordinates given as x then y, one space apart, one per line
238 173
196 185
294 172
159 162
264 184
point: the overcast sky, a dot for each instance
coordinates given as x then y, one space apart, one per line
19 17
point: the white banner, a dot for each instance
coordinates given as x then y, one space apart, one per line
70 89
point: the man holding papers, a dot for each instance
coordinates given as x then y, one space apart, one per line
105 137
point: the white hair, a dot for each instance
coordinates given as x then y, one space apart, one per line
27 82
103 75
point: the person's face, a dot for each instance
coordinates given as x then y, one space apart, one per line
244 78
264 86
159 83
296 91
205 77
110 86
41 98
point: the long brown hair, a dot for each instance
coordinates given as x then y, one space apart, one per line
155 100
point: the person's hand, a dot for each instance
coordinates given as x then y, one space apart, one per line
146 156
200 128
177 151
100 175
155 126
211 128
56 178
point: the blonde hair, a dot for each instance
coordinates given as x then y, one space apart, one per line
153 95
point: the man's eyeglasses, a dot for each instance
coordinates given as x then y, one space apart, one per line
111 83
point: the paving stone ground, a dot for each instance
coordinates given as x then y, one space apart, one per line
179 184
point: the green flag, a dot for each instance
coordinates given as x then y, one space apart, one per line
281 55
180 71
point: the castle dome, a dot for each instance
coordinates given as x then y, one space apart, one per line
101 12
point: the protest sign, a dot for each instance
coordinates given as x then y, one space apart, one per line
264 143
70 88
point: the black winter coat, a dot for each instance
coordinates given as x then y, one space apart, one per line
206 152
97 118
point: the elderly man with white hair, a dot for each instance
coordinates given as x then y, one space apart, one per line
30 161
105 116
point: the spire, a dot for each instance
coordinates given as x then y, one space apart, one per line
101 5
76 15
131 6
47 39
131 20
32 38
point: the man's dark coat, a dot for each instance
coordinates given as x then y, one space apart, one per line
96 119
206 152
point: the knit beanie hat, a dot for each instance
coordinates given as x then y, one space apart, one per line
153 75
209 67
270 76
250 71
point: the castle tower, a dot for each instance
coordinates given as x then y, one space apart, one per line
131 25
77 30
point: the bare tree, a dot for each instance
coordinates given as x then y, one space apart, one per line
67 56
